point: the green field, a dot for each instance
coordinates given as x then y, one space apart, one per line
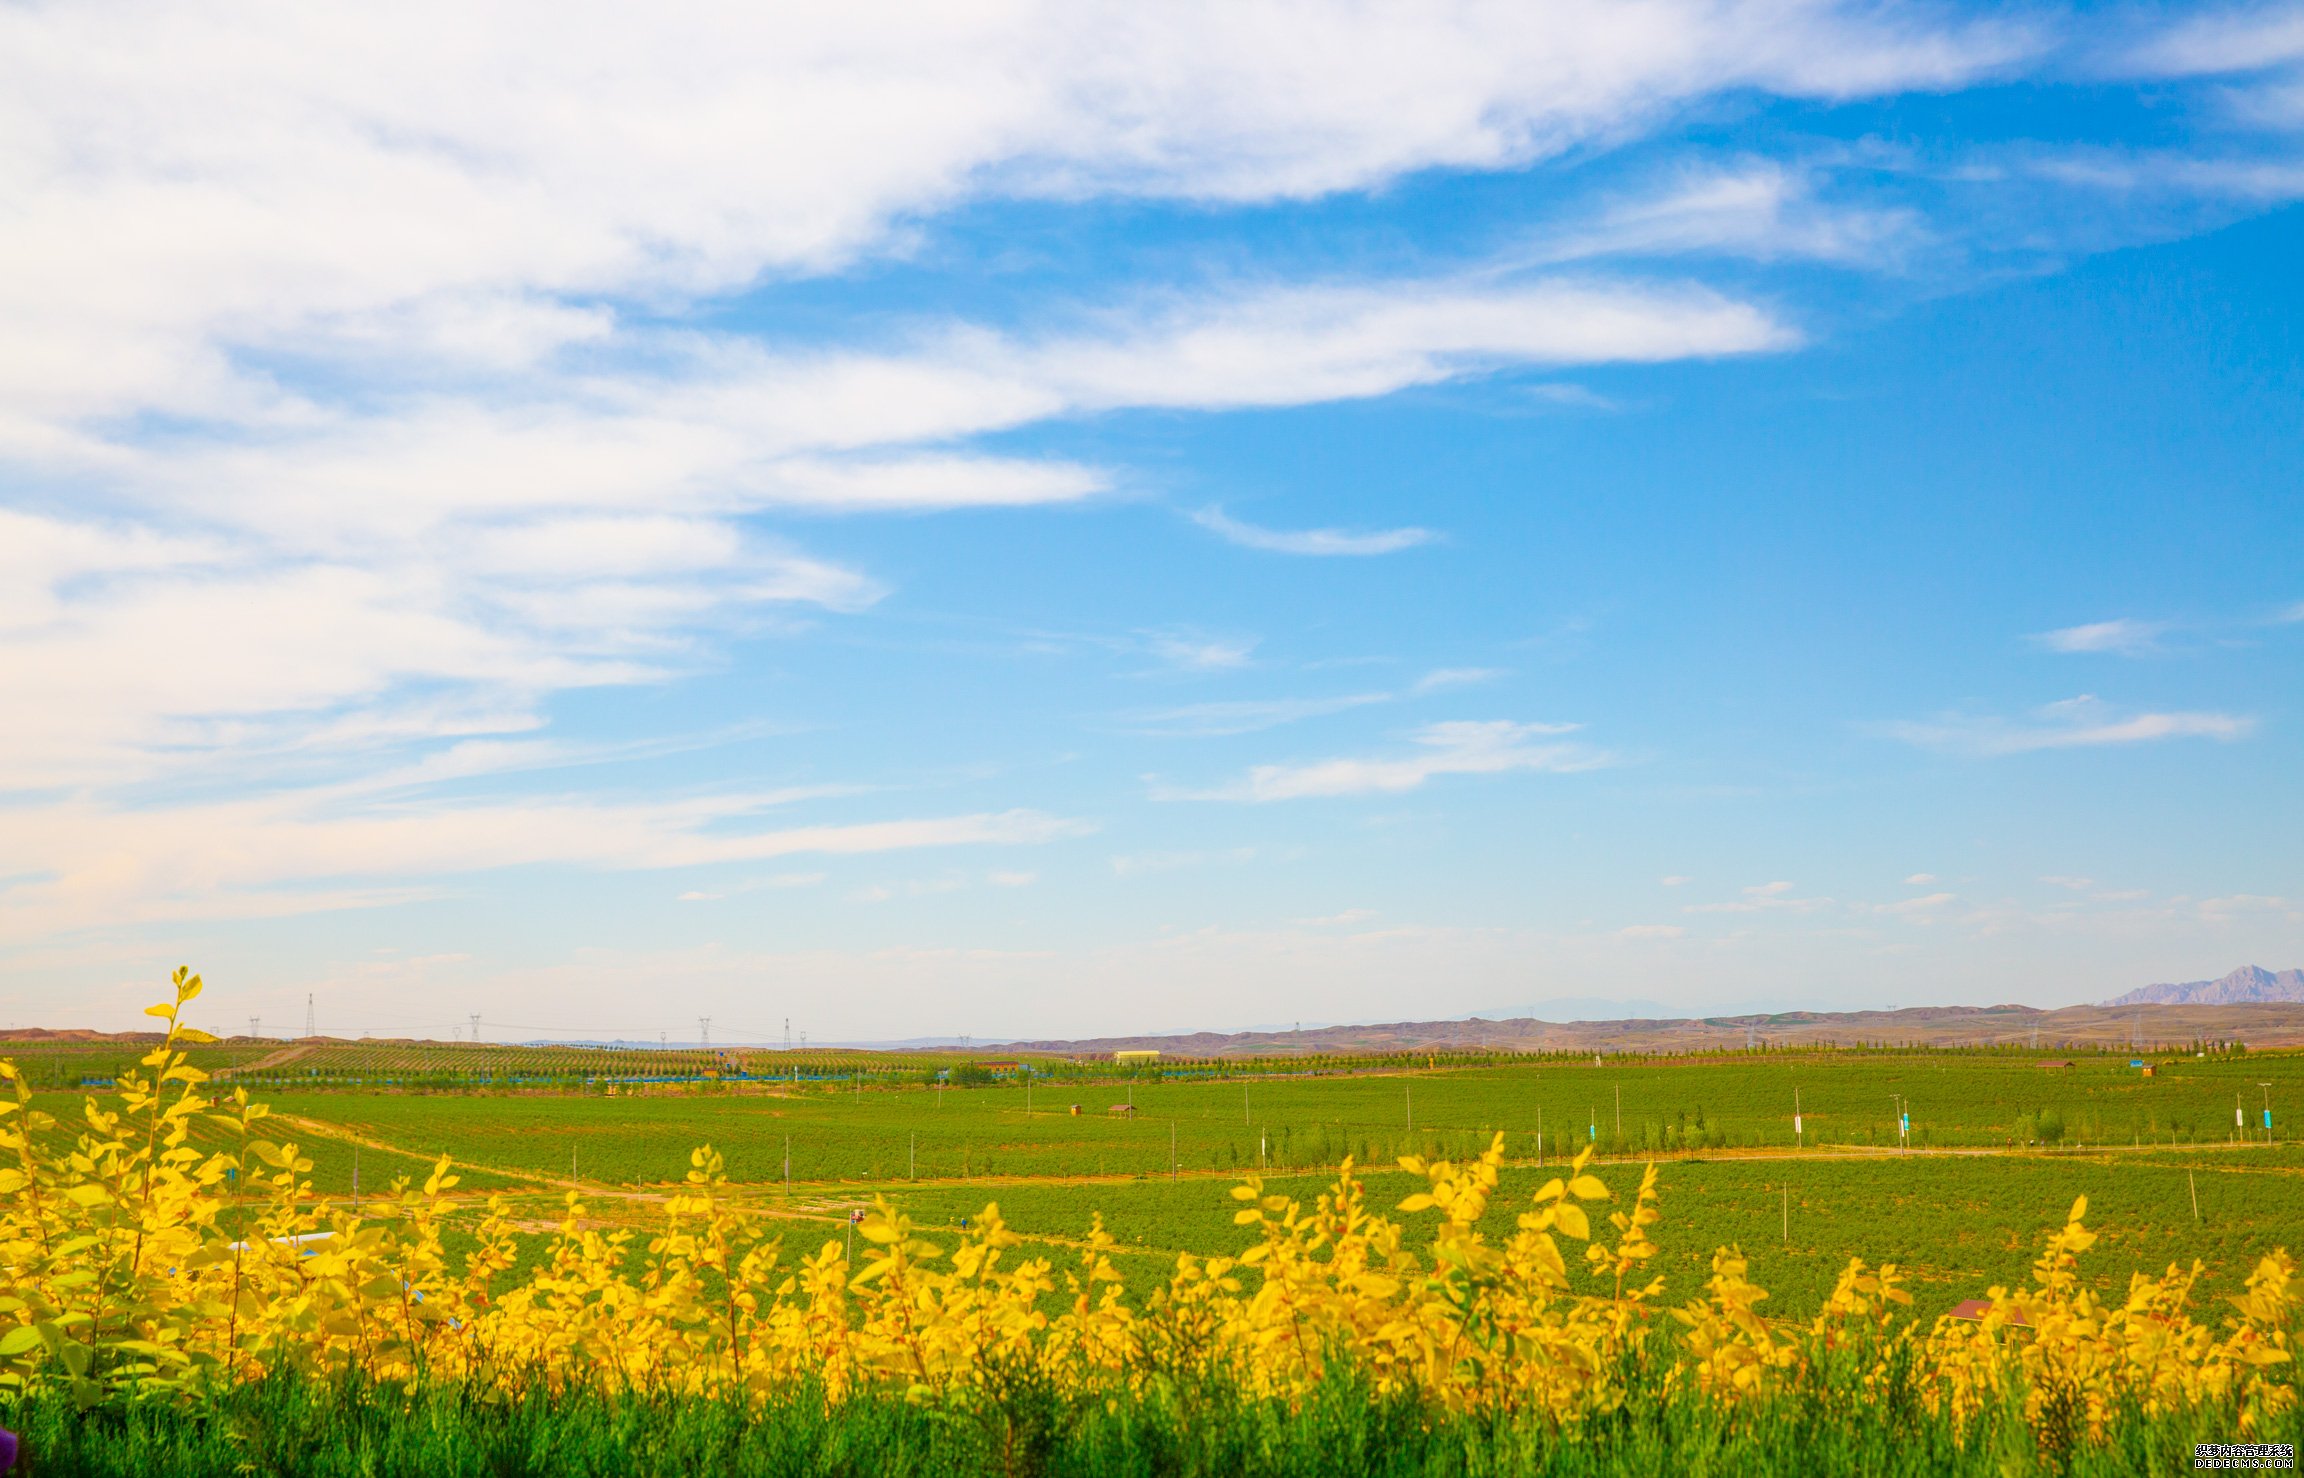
2000 1148
1628 1107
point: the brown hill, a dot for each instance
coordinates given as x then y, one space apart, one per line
2248 984
2160 1026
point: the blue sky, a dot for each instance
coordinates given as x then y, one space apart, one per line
1063 520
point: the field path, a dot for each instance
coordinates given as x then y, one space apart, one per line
270 1059
2104 1153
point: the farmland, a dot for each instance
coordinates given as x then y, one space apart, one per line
2000 1146
838 1253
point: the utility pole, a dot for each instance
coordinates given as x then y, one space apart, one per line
2267 1087
704 1031
256 1026
1799 1135
310 1030
1619 1110
475 1026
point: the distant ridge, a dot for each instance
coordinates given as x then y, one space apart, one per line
2277 1023
2249 985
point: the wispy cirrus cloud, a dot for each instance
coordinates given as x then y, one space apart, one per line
79 864
1763 209
1463 747
1137 864
1243 716
2124 637
1445 679
2222 40
775 882
1226 717
1775 897
2084 722
1330 543
1201 654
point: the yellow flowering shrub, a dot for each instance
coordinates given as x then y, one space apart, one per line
136 1260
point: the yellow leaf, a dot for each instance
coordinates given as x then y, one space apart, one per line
1589 1188
1570 1218
164 1011
1418 1202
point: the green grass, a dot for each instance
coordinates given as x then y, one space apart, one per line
1666 1105
1958 1225
289 1427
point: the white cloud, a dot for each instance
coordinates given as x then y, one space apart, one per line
1253 715
2074 723
1310 541
2244 38
1200 654
383 365
1011 879
78 864
1443 679
429 181
2239 905
1243 716
1674 880
920 482
1920 879
2160 177
753 885
1136 864
1651 931
2077 885
1456 748
1760 209
2124 637
1916 907
1762 898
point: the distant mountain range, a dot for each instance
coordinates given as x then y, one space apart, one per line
2249 985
